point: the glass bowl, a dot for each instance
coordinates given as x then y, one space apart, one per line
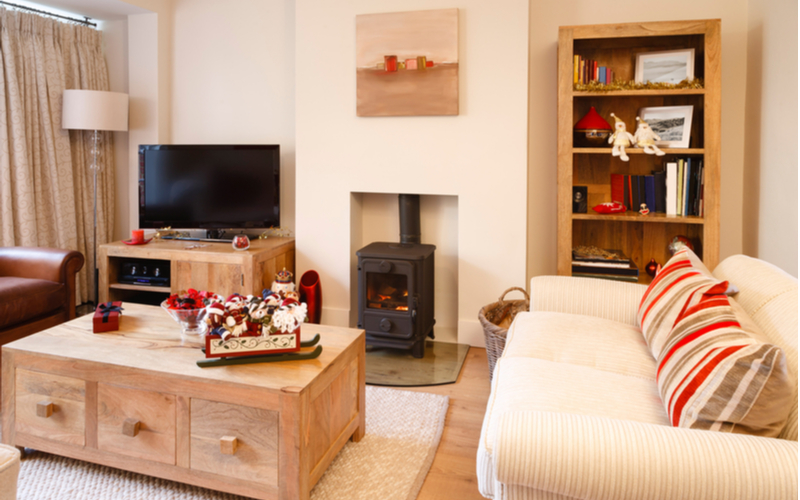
192 321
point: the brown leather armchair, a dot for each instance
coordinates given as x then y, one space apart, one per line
37 289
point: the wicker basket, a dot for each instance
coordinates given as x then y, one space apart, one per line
495 319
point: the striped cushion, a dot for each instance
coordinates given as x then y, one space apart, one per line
666 295
713 375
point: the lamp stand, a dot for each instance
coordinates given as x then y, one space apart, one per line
95 168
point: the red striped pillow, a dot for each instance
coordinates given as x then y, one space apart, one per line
713 375
666 295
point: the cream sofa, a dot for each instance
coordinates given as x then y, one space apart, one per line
575 411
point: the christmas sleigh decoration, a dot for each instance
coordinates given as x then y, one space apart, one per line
256 330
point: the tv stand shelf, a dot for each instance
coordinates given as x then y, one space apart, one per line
215 267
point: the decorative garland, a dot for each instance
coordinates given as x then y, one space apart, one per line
595 86
275 231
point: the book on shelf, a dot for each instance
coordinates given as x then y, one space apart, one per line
629 279
650 192
671 201
593 263
687 186
629 270
618 189
681 174
676 190
660 191
589 70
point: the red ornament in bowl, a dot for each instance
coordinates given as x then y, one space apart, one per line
241 242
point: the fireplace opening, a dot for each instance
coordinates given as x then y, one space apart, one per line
395 286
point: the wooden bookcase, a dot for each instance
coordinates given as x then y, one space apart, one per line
616 46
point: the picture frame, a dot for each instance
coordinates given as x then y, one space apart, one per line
579 199
673 124
668 66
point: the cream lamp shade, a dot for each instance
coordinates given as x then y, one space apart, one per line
94 110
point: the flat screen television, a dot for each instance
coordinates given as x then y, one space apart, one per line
209 186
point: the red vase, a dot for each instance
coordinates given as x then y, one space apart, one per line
311 293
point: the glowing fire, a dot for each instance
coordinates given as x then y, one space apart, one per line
402 308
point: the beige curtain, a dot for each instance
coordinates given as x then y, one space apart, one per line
46 187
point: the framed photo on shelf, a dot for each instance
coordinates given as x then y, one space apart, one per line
579 201
669 66
673 124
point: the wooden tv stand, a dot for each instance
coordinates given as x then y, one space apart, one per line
201 265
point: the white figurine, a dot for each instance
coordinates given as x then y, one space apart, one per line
621 139
646 138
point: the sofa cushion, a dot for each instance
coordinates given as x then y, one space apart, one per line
523 383
24 299
712 375
666 295
570 363
769 296
581 340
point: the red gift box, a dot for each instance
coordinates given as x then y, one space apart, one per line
106 317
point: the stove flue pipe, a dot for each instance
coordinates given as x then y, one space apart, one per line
409 218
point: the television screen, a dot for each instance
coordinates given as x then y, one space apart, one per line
209 186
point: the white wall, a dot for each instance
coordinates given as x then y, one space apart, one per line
770 199
545 18
480 156
233 79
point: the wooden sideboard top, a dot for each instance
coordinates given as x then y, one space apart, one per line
217 249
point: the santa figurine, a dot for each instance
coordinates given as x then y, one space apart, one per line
621 139
646 138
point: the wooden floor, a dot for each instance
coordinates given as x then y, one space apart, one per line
452 474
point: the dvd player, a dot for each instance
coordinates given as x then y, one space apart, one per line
144 272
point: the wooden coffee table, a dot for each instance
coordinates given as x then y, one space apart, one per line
135 400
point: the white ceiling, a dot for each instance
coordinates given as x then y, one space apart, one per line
98 10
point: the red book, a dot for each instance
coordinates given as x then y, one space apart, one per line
594 70
630 192
106 317
617 188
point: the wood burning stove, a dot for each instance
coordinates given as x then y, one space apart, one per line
395 286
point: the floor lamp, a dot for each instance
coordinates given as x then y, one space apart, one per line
95 110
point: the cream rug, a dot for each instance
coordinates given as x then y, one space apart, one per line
390 462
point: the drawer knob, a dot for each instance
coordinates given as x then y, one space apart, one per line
228 444
44 409
130 427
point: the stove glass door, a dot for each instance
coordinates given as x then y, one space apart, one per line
387 291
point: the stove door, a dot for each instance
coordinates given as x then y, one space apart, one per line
385 300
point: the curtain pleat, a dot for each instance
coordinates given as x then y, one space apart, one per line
46 186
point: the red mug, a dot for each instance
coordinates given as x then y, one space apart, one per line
137 235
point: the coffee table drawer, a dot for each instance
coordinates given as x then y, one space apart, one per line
136 423
50 406
235 441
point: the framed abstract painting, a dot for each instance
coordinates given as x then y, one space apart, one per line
407 63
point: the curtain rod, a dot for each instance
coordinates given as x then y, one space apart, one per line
43 12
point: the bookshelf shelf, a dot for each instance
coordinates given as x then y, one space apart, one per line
641 238
638 93
637 151
651 218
